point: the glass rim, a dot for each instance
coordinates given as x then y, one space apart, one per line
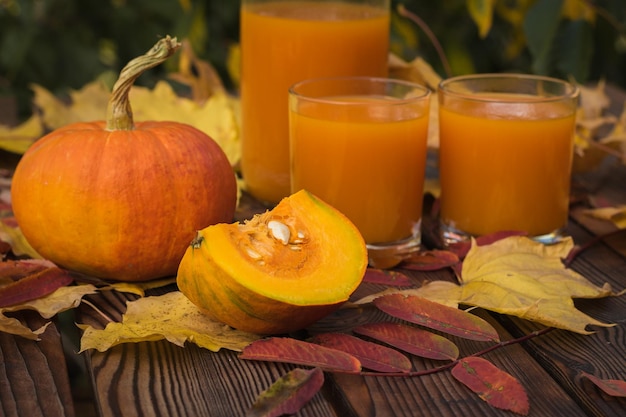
424 91
571 91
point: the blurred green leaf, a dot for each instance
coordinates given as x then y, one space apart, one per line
540 26
574 61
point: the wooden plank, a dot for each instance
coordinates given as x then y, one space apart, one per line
33 375
161 379
439 394
565 355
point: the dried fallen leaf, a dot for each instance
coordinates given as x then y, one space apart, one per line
85 105
616 215
284 349
411 339
496 387
430 260
437 316
12 270
371 355
217 116
612 387
35 285
442 292
288 394
14 326
524 278
386 277
13 236
60 300
170 316
64 298
461 248
18 139
138 288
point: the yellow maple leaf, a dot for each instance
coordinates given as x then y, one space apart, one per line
18 139
520 277
138 288
616 215
217 116
85 105
19 245
14 326
60 300
421 72
171 317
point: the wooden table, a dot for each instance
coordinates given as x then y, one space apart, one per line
161 379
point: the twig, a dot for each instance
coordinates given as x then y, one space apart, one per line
454 363
600 11
574 253
402 11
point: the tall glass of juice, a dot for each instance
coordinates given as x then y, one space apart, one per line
283 42
359 143
505 156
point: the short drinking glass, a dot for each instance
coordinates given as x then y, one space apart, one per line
359 143
505 155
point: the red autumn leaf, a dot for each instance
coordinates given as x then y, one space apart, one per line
284 349
496 387
371 355
386 277
437 316
14 270
613 387
288 394
461 248
411 339
4 247
34 286
430 260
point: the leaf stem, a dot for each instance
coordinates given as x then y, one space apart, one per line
119 112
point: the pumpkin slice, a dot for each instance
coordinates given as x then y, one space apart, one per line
278 272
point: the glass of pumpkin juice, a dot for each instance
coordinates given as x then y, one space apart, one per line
359 143
505 155
283 42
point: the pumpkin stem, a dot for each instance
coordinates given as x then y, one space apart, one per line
119 112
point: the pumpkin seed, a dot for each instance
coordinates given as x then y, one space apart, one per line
253 254
279 231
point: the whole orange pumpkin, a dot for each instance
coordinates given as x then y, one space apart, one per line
120 200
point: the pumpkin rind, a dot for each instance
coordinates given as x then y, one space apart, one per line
119 200
244 276
122 204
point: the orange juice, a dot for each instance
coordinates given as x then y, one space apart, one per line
505 166
286 42
367 161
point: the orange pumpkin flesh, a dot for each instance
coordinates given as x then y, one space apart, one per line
121 203
254 278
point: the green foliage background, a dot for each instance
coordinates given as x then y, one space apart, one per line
63 44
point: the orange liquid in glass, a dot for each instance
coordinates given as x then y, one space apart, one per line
286 42
370 170
499 173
